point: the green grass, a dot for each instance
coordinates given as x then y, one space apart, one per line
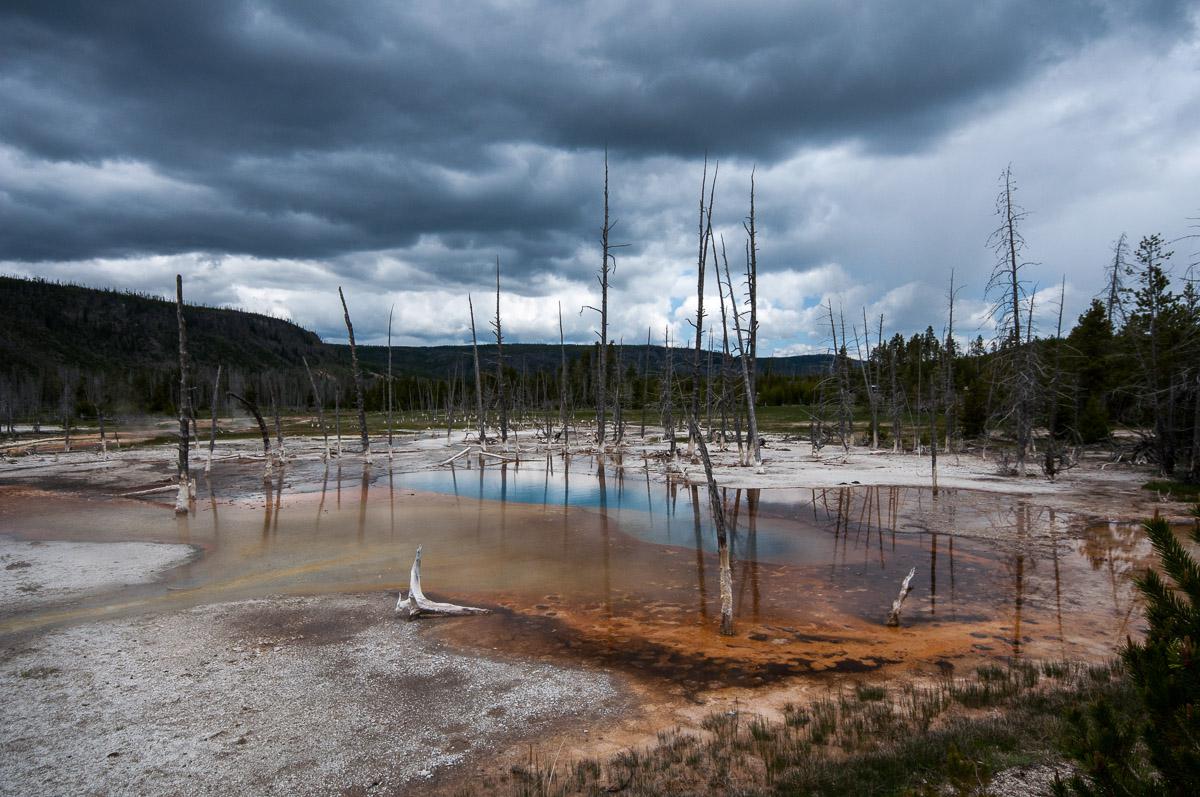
951 736
1178 491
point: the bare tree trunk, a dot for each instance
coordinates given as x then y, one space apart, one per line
724 356
752 294
501 398
867 386
317 397
905 587
718 513
743 358
705 226
933 435
1005 286
358 380
262 425
273 393
1052 459
602 373
645 382
389 381
212 429
668 396
708 397
752 332
337 416
1010 219
478 380
948 372
618 417
844 417
450 402
181 501
562 386
897 426
103 440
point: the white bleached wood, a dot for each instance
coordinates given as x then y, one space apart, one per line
445 462
416 604
181 498
905 587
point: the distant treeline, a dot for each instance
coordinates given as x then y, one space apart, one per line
1131 360
66 348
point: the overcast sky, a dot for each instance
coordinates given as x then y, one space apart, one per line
271 151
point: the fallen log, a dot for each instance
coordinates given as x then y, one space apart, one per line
905 587
416 604
444 462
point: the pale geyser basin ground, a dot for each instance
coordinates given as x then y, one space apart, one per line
609 582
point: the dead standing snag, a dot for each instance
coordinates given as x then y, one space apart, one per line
718 513
181 502
262 425
358 380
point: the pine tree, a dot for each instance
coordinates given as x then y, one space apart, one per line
1165 668
1112 738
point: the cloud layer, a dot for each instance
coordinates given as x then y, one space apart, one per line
273 150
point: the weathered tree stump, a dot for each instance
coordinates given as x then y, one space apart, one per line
893 620
417 605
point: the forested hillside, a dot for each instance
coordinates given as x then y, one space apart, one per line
68 346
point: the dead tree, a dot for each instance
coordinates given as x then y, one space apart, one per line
66 404
181 501
317 397
478 379
864 367
718 513
95 387
893 620
705 232
933 469
501 397
389 381
562 383
948 397
212 428
450 402
273 393
417 605
358 380
841 378
606 262
1007 242
645 382
668 396
743 351
617 419
1006 289
752 296
708 381
258 418
724 396
337 415
898 399
1116 272
1053 460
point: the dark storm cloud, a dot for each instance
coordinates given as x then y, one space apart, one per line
320 129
